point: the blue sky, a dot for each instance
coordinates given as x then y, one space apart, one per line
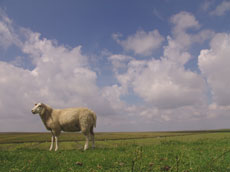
140 65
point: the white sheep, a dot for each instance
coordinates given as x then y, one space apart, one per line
71 119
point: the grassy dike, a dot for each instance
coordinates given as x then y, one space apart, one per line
148 151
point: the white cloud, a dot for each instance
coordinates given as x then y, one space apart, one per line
207 4
170 92
163 83
113 94
61 73
183 21
214 64
202 36
7 33
221 9
178 44
177 51
142 43
15 85
119 61
181 40
179 114
18 93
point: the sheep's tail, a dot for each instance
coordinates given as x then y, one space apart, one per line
95 120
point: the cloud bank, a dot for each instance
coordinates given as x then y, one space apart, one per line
168 95
141 43
221 9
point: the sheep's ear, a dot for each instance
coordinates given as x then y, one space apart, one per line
43 110
35 104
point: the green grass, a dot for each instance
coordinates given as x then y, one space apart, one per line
149 151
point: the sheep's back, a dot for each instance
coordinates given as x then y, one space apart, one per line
73 119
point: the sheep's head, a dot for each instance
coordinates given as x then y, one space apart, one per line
38 108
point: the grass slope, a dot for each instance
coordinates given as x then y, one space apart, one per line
153 152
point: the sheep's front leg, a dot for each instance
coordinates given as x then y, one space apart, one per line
56 140
52 143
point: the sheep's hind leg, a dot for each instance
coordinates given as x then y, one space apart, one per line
86 142
93 142
56 141
85 132
92 137
52 143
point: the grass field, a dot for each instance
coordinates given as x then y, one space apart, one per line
148 151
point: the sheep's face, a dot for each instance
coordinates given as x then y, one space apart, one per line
38 108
